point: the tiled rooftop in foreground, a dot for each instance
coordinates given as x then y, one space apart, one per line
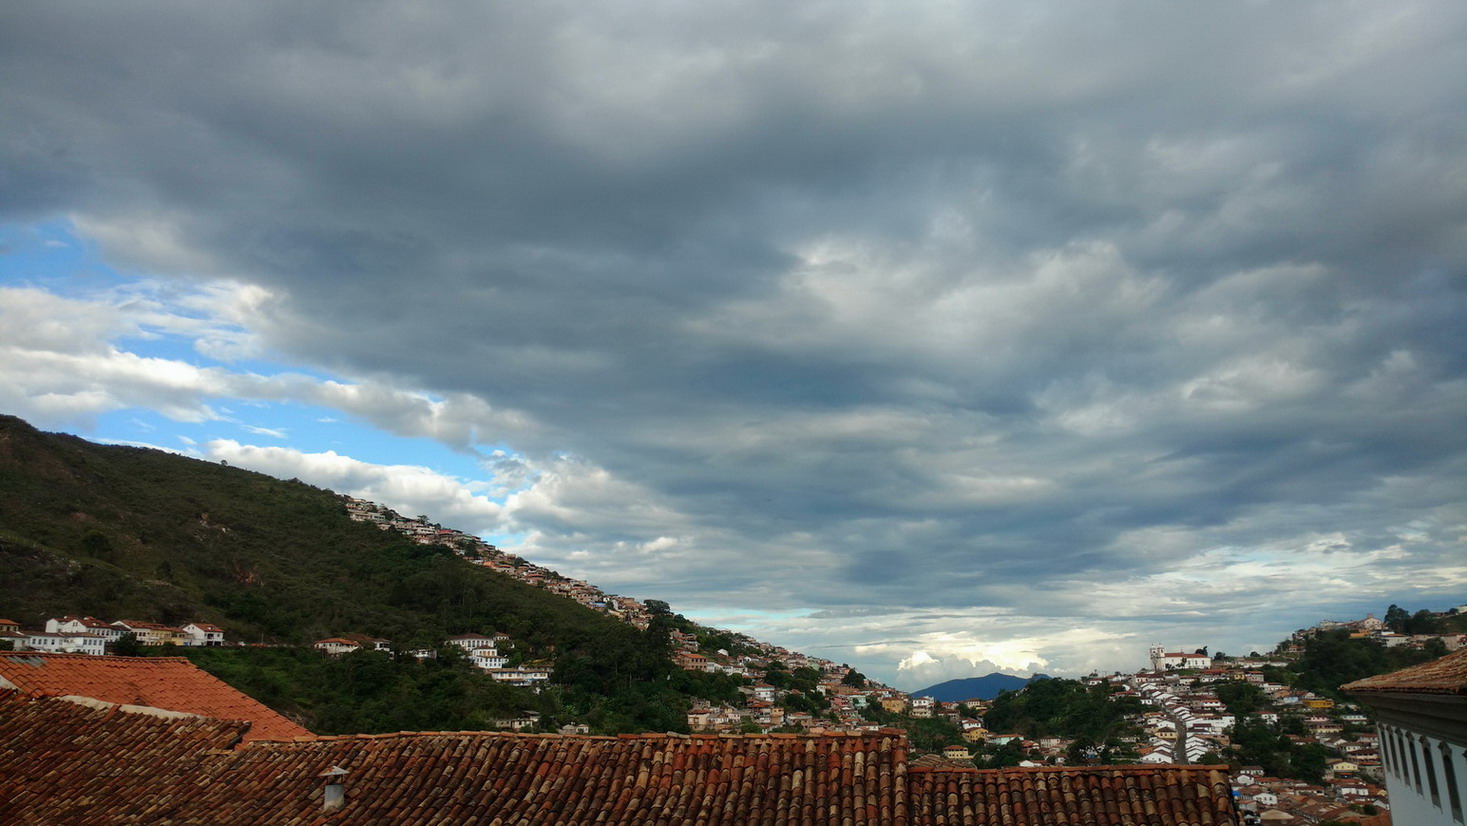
64 760
1192 795
1447 675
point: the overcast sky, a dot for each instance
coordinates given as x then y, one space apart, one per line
930 337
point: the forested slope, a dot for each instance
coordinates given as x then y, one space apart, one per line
126 532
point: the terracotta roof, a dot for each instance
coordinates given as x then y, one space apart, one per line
171 683
1119 795
479 777
71 760
1447 675
494 777
64 763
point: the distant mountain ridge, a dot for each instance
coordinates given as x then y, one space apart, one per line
976 688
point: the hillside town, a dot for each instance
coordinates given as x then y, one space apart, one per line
1191 710
1185 707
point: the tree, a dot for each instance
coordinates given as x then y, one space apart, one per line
1396 618
657 607
1008 754
127 645
1241 698
1422 622
1080 752
854 678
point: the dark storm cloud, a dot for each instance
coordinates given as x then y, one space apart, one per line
1017 294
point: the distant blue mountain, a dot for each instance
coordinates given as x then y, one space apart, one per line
981 688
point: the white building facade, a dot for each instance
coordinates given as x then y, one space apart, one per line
1422 714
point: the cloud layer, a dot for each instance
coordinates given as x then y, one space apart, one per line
1108 319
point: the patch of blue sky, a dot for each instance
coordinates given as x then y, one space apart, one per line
49 256
504 541
300 427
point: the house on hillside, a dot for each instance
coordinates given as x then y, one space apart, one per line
336 646
151 633
66 643
82 625
471 642
530 676
487 658
203 635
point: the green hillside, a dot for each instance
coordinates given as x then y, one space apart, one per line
125 532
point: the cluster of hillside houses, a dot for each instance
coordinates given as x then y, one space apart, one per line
483 651
89 635
489 556
1375 629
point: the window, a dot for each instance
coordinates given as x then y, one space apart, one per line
1436 792
1403 770
1415 764
1453 795
1387 750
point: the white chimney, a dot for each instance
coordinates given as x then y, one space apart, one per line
334 797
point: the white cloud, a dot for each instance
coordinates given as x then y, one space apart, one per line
791 316
265 431
409 489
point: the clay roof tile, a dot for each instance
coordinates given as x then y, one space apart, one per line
171 683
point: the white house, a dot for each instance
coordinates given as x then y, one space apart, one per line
66 643
488 658
336 646
82 625
471 642
1158 756
203 634
526 676
1422 720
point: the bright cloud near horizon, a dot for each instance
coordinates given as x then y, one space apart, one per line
937 338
